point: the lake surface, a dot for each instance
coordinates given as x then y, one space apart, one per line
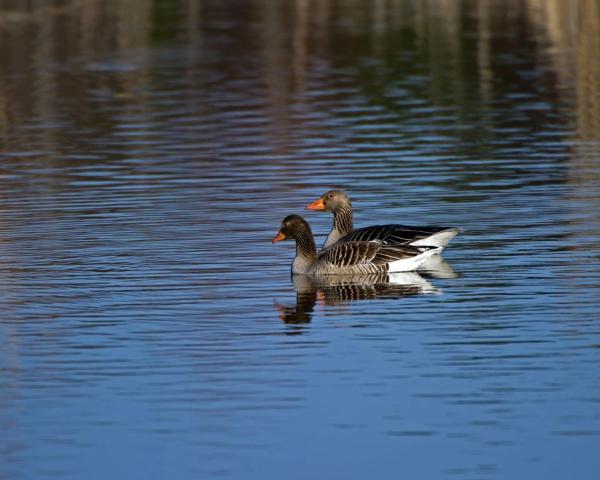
149 150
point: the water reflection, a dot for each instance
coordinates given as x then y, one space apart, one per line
107 50
437 267
306 297
336 290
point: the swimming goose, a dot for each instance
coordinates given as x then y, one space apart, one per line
352 257
338 202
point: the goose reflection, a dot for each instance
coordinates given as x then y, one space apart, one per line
338 290
437 267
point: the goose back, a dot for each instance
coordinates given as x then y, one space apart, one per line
395 234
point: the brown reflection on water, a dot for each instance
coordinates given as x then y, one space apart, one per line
42 43
41 39
571 30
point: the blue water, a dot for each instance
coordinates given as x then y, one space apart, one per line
149 328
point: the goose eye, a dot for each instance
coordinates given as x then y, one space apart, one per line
330 195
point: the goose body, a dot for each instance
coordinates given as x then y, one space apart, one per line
351 257
337 202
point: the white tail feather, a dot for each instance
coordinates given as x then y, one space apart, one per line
439 239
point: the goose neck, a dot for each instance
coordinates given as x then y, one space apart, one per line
306 252
342 220
305 244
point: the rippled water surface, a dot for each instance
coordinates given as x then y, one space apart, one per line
149 151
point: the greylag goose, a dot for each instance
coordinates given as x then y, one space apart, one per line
352 257
337 202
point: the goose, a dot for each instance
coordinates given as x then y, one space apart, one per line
337 202
352 257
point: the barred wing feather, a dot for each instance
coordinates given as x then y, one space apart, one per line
394 234
348 254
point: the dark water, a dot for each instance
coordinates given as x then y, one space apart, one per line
149 150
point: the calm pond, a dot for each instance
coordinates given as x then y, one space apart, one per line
149 150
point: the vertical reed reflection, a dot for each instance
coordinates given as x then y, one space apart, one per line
41 40
571 31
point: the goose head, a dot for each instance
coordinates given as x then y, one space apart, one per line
293 227
332 201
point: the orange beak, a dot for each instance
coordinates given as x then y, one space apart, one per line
317 205
278 238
